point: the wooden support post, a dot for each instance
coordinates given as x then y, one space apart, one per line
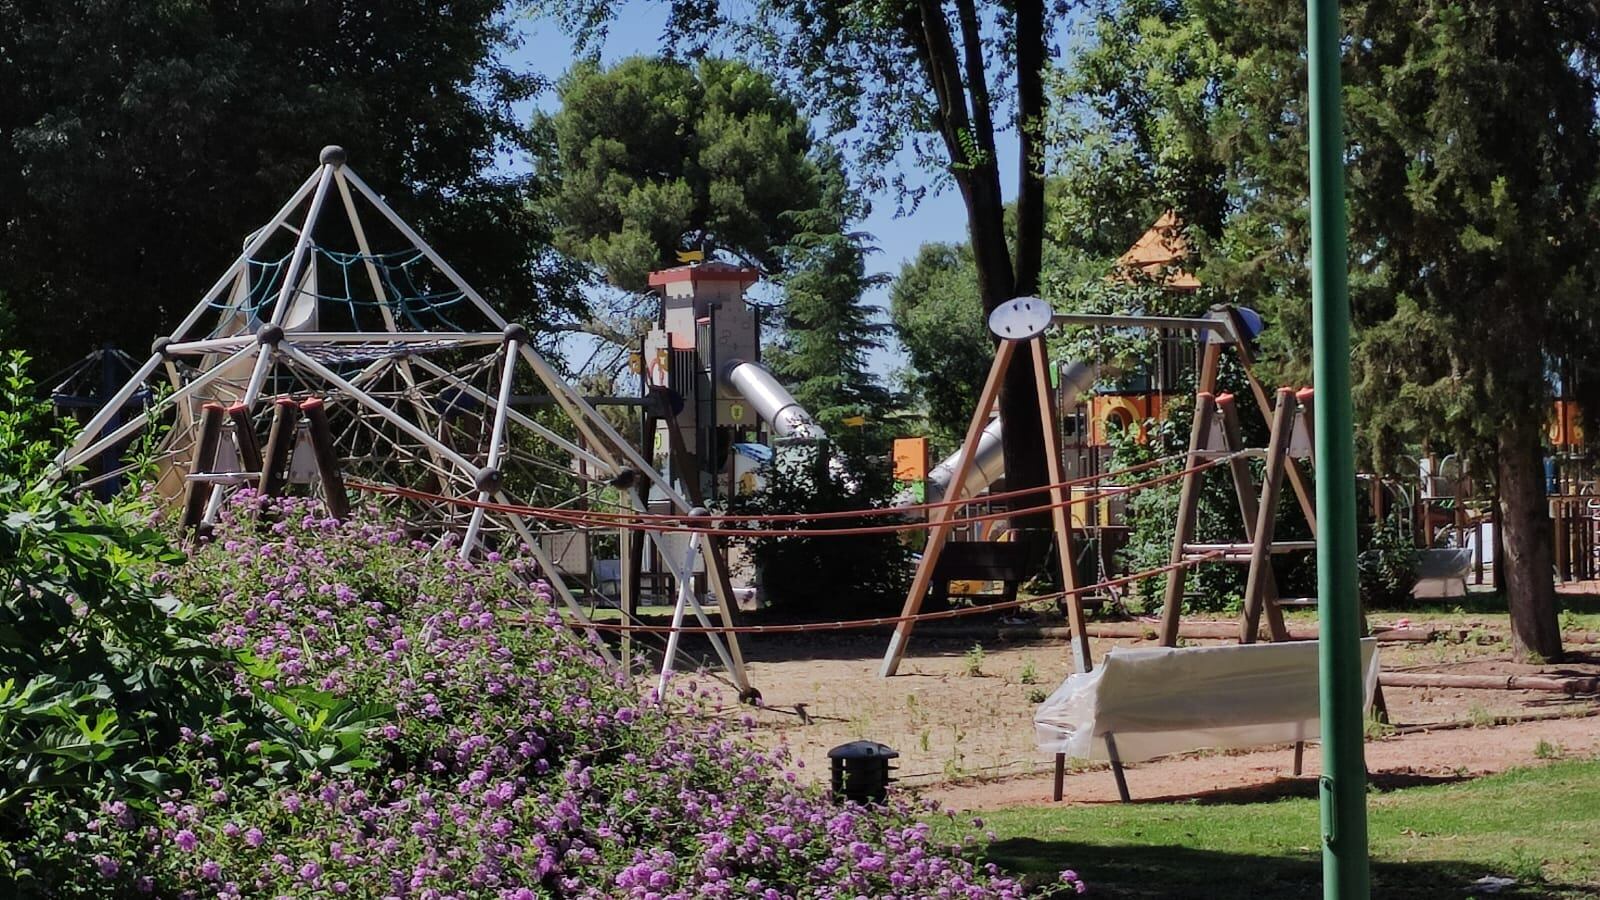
630 545
940 518
1497 565
1210 365
1060 515
327 456
205 456
244 435
280 446
1477 549
1061 777
1255 591
1558 512
1245 490
1297 479
1188 503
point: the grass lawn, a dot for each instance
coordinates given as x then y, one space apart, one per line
1540 826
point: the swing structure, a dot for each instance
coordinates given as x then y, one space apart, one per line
1215 440
1025 321
387 368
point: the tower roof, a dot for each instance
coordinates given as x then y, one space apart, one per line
695 273
1161 252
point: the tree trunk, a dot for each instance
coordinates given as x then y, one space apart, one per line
1526 536
977 175
1019 400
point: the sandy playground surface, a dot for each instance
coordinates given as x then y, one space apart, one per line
962 721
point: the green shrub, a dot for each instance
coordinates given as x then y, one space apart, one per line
824 576
100 670
1387 564
1151 514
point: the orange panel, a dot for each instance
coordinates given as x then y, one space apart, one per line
910 459
1566 423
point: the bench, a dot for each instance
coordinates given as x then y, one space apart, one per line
1009 562
1149 702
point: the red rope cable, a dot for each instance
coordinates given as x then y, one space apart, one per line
899 510
909 508
851 624
585 519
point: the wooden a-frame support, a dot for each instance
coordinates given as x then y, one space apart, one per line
1216 432
939 519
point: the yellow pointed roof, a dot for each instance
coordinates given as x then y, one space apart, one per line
1161 252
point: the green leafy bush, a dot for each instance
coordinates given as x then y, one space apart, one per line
1151 513
825 576
104 672
499 756
1387 564
98 668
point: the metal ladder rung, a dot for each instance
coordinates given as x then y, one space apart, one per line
1246 549
222 477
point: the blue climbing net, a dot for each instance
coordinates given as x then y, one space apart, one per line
404 275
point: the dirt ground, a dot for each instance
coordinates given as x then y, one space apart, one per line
961 719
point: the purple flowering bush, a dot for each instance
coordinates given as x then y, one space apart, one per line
433 731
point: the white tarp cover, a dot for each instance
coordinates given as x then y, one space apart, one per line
1172 700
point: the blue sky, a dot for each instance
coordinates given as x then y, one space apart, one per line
939 217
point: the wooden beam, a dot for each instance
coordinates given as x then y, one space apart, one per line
1297 479
939 518
204 460
1188 503
1255 591
1060 515
1245 490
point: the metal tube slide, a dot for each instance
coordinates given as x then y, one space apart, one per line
771 401
990 464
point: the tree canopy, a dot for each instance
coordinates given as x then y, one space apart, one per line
828 331
140 143
654 156
1472 162
943 81
939 321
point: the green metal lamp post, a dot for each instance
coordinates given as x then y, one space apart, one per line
1343 784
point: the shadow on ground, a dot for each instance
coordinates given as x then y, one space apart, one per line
1284 788
1181 872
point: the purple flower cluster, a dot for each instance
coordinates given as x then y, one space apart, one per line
514 764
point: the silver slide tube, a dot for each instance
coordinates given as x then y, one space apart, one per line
990 463
771 401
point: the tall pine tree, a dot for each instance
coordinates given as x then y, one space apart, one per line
828 329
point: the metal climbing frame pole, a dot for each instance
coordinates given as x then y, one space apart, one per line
1343 786
497 436
685 594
